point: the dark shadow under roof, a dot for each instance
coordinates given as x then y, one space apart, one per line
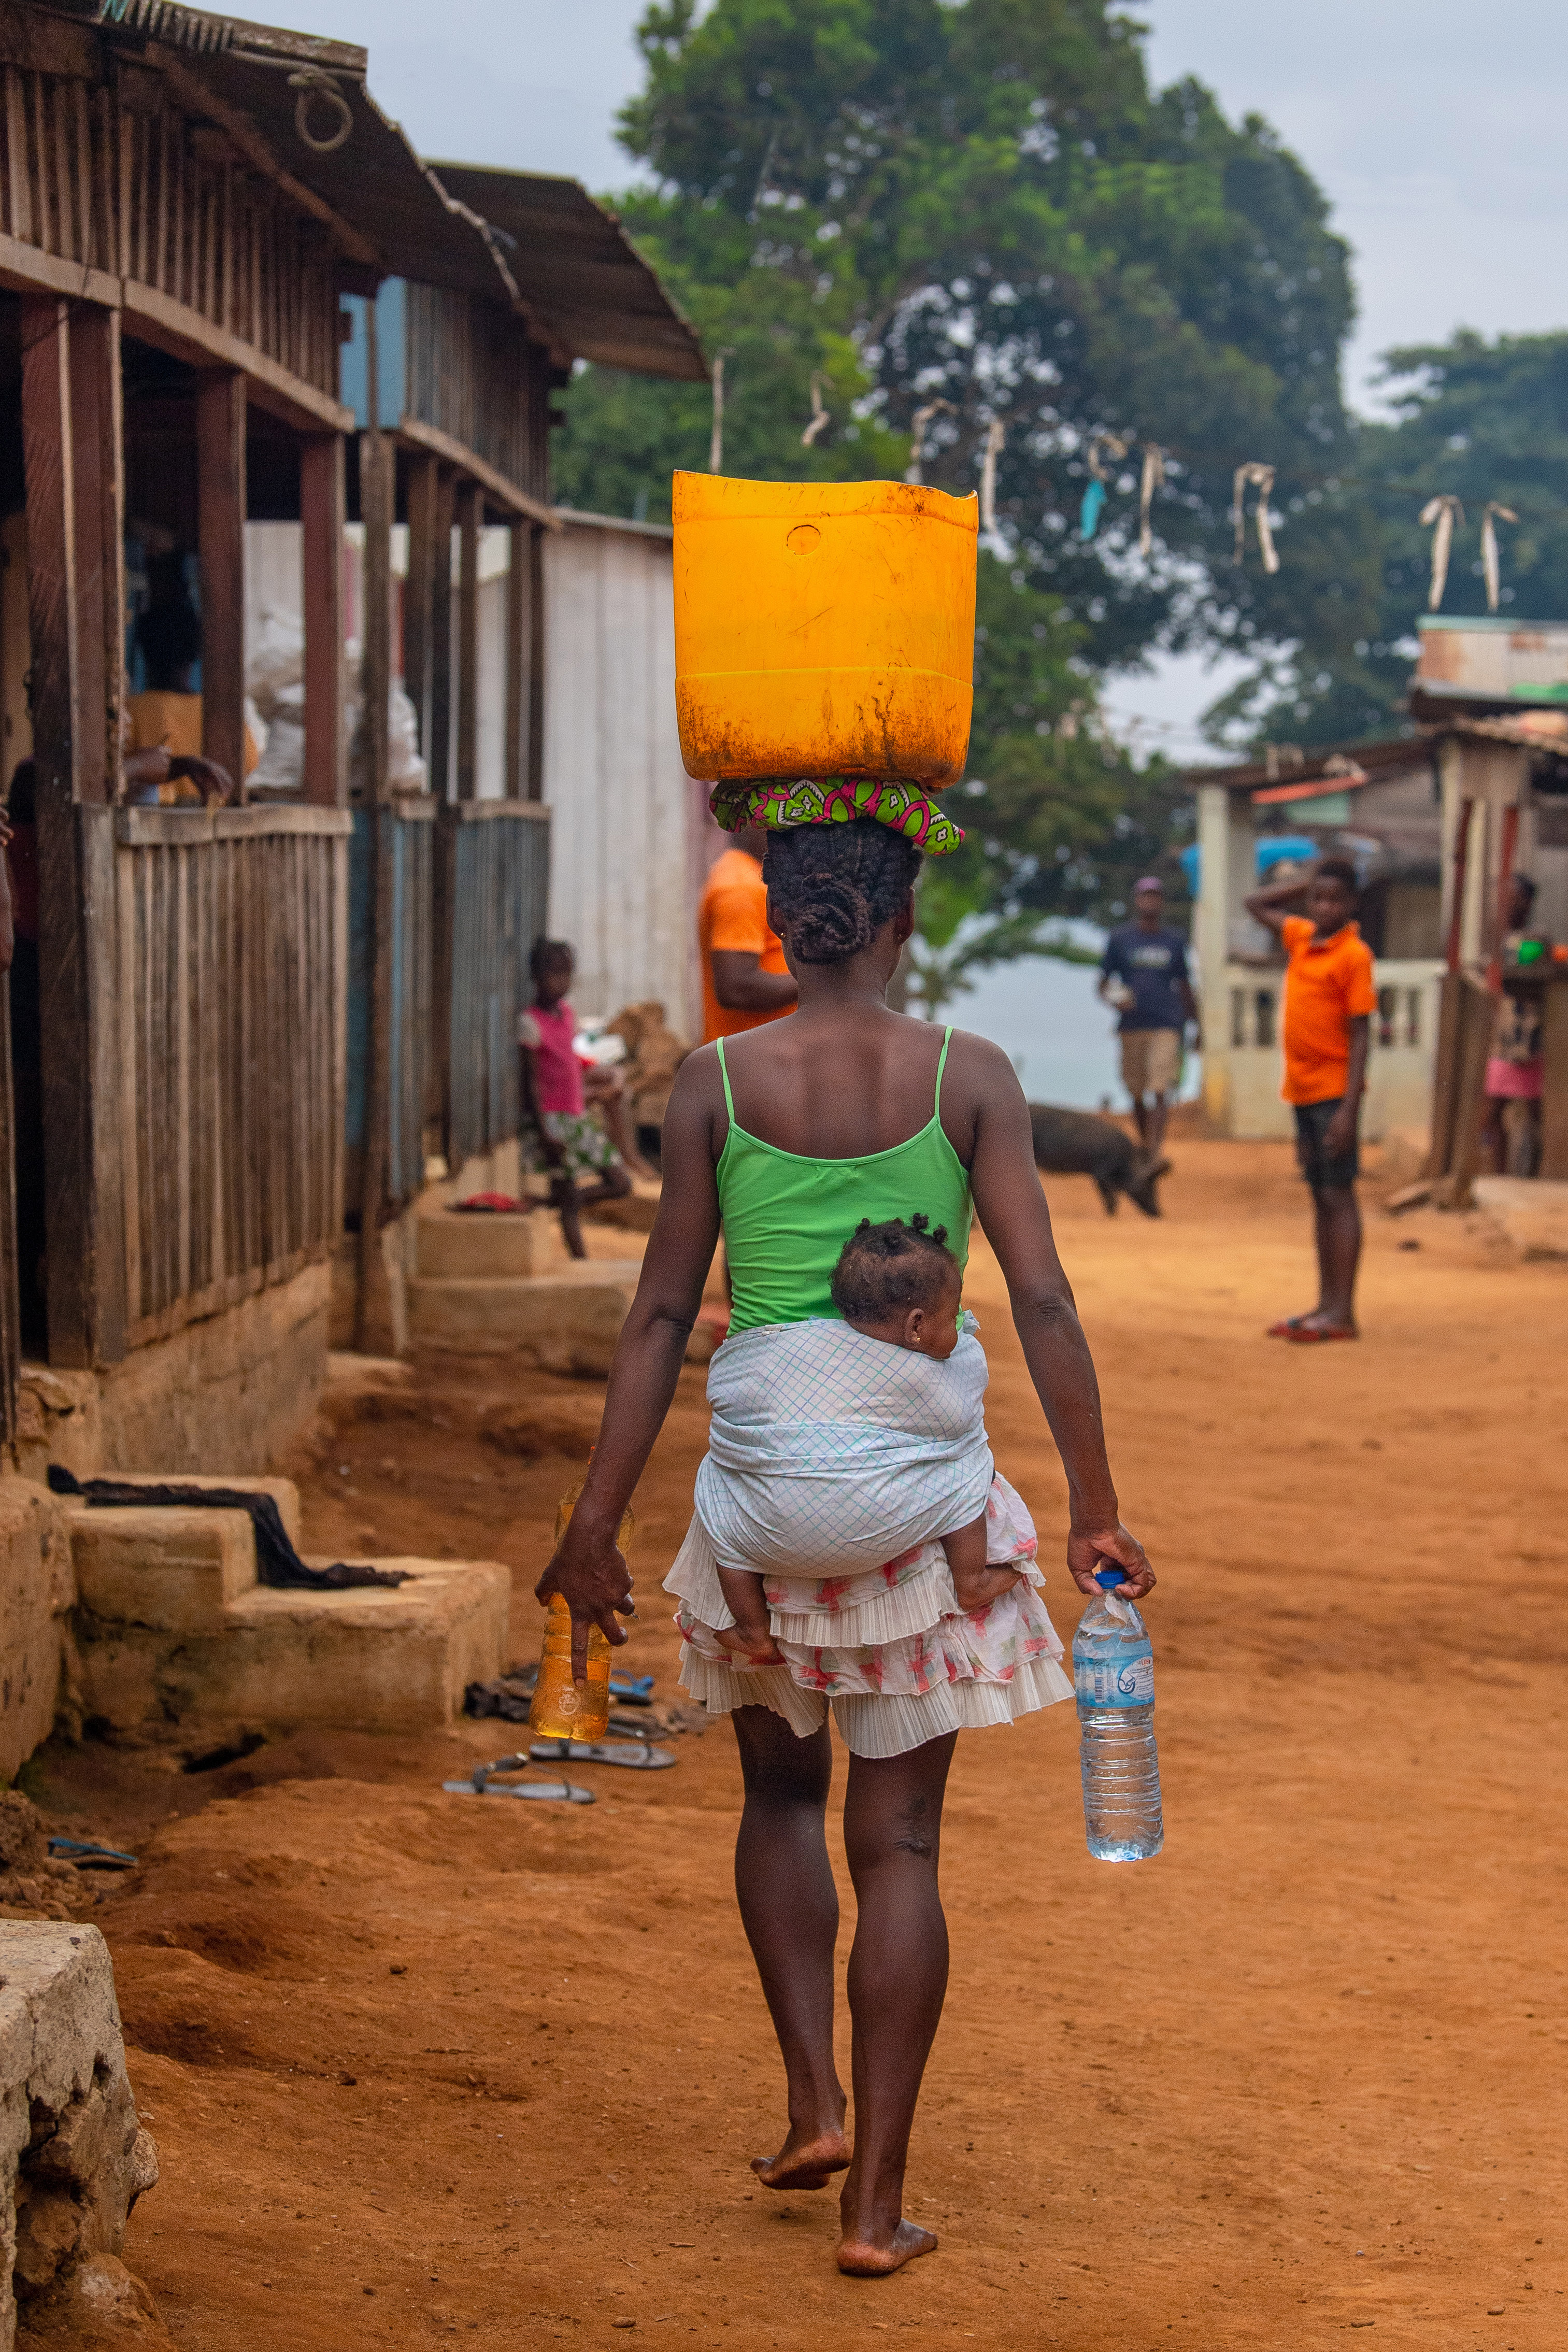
579 272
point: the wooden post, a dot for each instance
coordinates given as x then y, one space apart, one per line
377 459
220 526
1450 1011
1554 1082
64 402
321 536
1477 1020
419 590
440 753
470 521
99 494
519 658
535 663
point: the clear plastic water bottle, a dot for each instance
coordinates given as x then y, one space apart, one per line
1114 1670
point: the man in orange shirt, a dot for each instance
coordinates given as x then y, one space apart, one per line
1330 999
745 979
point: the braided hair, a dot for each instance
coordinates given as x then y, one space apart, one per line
835 885
884 1270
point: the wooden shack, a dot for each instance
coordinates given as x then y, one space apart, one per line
183 202
451 373
1493 693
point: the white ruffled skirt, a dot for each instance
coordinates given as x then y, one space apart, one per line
888 1650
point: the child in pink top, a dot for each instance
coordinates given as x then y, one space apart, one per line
557 1131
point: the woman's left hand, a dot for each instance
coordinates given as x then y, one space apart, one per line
1112 1548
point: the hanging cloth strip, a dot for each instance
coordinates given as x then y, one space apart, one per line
783 801
1440 511
995 442
277 1562
1263 477
1488 548
918 423
818 413
1154 478
1094 495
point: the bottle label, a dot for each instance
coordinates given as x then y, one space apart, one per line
1115 1681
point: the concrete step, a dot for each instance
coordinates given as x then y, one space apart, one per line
566 1321
382 1658
478 1248
173 1627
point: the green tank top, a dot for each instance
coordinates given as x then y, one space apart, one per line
786 1217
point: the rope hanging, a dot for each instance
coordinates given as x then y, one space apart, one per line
1262 476
716 438
1440 511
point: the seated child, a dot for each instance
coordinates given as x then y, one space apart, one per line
901 1284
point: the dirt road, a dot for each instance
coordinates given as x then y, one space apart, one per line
424 2067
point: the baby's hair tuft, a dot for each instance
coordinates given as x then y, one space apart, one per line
884 1270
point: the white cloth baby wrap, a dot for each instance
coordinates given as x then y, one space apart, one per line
834 1464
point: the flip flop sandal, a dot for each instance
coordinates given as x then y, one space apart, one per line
1287 1329
636 1755
1304 1337
481 1782
86 1855
632 1690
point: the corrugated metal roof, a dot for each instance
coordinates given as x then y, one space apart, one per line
576 267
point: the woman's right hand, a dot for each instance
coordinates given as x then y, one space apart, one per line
590 1573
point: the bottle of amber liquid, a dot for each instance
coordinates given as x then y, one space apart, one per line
562 1709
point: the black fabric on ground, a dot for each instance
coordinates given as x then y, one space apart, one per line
277 1562
509 1696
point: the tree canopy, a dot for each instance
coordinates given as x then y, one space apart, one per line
980 210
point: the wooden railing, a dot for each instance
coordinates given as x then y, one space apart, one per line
232 982
492 878
413 835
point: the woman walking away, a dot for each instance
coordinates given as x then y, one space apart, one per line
837 1465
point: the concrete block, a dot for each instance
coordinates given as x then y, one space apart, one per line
228 1393
37 1593
384 1658
567 1322
1529 1214
452 1247
58 1419
174 1572
635 1212
73 2160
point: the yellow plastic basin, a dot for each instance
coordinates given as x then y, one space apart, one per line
823 628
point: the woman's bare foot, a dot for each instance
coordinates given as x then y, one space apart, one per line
804 2161
865 2257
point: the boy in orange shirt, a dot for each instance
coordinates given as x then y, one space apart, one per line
1329 1001
745 979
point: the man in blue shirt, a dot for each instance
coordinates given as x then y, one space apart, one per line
1144 972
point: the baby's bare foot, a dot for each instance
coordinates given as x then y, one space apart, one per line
758 1649
976 1588
804 2161
872 2257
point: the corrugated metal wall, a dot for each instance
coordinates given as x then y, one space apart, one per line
625 813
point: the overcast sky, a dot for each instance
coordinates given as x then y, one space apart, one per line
1435 126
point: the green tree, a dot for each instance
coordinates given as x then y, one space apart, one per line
981 210
1486 421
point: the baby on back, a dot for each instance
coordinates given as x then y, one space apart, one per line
900 1283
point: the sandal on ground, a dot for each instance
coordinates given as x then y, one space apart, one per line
1307 1335
482 1781
1287 1329
636 1755
88 1855
632 1690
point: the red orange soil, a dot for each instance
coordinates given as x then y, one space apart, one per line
425 2067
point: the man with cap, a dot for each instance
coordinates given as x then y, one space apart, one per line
1144 972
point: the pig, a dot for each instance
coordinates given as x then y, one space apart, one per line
1080 1143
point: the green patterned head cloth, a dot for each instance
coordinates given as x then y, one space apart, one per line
782 802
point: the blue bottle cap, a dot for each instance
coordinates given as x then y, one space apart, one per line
1107 1579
